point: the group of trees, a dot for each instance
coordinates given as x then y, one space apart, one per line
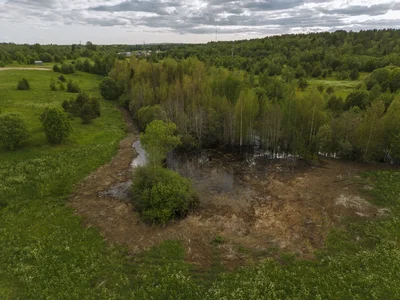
160 194
217 107
317 54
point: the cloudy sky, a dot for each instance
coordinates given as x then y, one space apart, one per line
189 21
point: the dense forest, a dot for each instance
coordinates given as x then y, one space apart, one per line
254 92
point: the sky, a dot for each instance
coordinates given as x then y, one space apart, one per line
184 21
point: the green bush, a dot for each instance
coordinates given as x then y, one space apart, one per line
13 131
23 84
84 107
56 69
67 69
62 78
147 114
303 84
2 64
56 124
161 194
53 86
61 86
109 89
72 87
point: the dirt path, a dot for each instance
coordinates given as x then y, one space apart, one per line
292 211
21 69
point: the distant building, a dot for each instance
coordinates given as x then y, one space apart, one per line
126 54
39 63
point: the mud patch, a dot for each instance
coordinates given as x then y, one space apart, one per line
255 208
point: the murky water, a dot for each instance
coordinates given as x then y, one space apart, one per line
141 158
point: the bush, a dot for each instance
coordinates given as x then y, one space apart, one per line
84 107
13 131
56 69
62 78
67 69
53 86
357 98
72 87
61 86
330 90
147 114
161 194
2 64
56 124
23 84
320 88
303 84
109 89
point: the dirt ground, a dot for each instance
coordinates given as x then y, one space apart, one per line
21 69
291 210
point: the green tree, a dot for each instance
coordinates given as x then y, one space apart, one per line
158 139
56 124
85 107
13 131
72 87
109 89
160 194
357 98
147 114
23 84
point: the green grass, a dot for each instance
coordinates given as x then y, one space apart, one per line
47 253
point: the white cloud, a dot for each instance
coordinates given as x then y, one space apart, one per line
132 21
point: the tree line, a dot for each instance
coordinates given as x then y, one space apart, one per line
213 106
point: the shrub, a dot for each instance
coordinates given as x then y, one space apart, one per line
62 78
109 89
357 98
56 124
13 131
84 107
320 88
67 69
53 85
161 194
147 114
23 84
330 90
72 87
303 84
56 69
2 64
61 86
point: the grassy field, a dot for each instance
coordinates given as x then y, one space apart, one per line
47 253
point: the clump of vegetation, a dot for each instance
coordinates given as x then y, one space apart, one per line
330 90
57 126
67 69
61 86
303 84
109 89
161 194
2 64
53 85
73 87
56 69
23 85
62 78
13 131
85 107
147 114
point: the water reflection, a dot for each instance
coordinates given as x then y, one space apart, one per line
141 158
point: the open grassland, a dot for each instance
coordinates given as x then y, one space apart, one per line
47 253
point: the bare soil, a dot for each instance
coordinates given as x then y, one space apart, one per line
291 210
21 69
